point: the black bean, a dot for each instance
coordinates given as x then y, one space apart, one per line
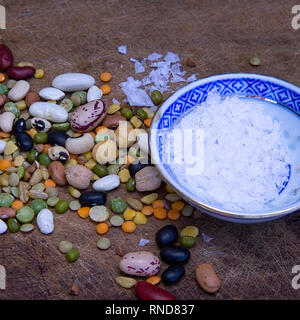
92 198
166 235
24 141
57 138
173 273
174 254
136 166
19 126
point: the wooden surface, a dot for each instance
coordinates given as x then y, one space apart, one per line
253 261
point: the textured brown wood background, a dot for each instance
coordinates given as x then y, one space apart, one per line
254 261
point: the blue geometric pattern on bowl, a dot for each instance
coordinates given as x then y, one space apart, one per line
247 86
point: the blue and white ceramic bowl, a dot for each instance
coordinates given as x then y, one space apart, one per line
269 88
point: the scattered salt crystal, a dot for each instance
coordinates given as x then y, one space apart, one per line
122 49
191 78
131 82
135 95
114 100
154 56
146 80
176 78
175 69
143 242
171 57
138 66
163 72
206 238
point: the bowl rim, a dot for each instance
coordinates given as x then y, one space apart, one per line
225 214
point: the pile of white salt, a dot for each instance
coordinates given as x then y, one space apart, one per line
246 160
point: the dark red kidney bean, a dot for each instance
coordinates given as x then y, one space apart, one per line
6 57
20 73
147 291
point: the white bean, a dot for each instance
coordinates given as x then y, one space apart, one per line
45 221
6 121
107 183
73 81
51 94
19 90
2 146
3 227
81 144
49 111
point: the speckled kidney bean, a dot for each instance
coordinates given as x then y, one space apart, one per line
6 57
141 263
20 73
87 117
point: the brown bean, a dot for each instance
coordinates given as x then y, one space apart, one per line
207 278
20 73
57 172
6 57
2 99
7 213
79 176
31 97
112 121
147 179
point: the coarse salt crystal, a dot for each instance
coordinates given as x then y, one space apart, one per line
246 161
114 100
171 57
143 242
191 78
138 66
154 56
122 49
